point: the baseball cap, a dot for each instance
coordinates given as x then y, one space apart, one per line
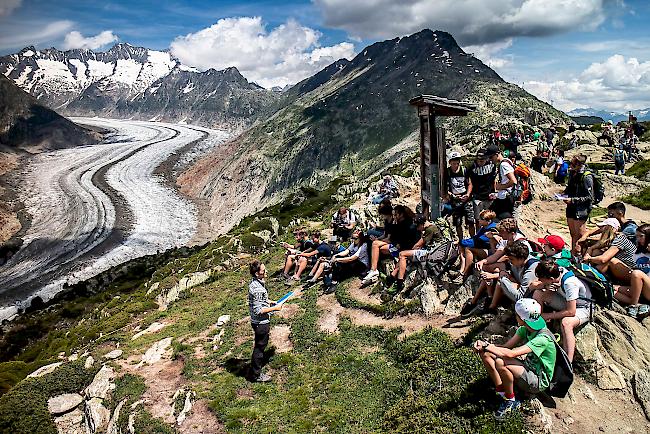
555 241
453 155
480 153
610 222
530 312
492 150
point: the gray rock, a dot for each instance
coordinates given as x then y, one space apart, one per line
165 298
587 345
64 403
71 423
611 378
102 383
44 370
113 426
642 390
457 299
156 352
113 354
89 362
97 416
431 303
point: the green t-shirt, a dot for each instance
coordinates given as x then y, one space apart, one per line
542 359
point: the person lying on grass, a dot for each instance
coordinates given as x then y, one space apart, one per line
532 341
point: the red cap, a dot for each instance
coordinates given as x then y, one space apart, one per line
554 241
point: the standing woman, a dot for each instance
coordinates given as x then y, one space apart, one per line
260 309
580 199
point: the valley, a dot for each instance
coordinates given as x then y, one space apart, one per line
94 207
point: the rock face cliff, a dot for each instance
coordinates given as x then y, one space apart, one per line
26 124
347 117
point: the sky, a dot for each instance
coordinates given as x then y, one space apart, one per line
571 53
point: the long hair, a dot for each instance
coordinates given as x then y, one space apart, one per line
645 230
606 237
405 211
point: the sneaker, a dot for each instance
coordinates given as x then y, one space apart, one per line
330 289
644 311
468 307
506 407
263 378
390 280
633 310
371 277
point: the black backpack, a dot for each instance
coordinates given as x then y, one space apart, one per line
602 290
563 371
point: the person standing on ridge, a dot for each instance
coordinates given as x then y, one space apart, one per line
260 309
579 200
503 205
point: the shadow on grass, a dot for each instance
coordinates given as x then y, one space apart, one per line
241 367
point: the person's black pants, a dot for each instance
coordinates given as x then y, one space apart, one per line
261 341
342 232
344 270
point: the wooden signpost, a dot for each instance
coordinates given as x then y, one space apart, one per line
433 156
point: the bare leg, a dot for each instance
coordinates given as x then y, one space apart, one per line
568 338
489 360
302 264
376 246
509 369
288 264
403 260
319 271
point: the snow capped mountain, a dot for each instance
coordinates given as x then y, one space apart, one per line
641 114
125 81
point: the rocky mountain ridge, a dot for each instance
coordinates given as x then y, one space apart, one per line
349 117
135 82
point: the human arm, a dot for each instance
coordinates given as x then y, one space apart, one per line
470 187
603 258
569 311
588 184
512 180
591 233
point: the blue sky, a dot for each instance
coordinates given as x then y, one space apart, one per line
575 53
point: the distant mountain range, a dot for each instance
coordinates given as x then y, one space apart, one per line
135 82
642 114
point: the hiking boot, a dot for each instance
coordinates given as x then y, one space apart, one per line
644 311
468 307
633 310
330 289
263 378
390 280
506 407
310 283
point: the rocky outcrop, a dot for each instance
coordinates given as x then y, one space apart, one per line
71 423
64 403
97 416
156 352
43 370
102 384
166 297
642 390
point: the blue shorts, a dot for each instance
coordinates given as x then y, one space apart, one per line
467 242
394 251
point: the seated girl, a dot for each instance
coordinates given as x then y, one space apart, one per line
639 285
478 246
613 253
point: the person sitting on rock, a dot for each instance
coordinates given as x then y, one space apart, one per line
478 246
613 253
639 286
321 249
402 235
379 230
354 261
343 222
607 133
519 272
554 248
580 199
431 235
491 266
614 210
532 341
387 190
568 296
303 244
538 162
323 263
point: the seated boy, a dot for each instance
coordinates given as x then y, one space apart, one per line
303 244
477 246
532 340
555 248
321 249
515 283
567 295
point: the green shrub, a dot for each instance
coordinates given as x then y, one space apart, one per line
639 169
261 225
251 243
641 200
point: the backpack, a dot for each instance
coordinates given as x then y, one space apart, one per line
599 188
521 191
602 290
543 148
535 248
440 258
562 372
619 156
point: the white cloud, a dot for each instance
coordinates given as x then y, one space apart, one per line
617 84
489 53
77 40
471 22
8 6
285 55
19 35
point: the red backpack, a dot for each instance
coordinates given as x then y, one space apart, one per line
521 191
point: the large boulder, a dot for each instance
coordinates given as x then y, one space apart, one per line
71 423
43 370
166 297
64 403
102 383
97 416
642 390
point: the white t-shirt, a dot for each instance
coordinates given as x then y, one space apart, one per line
574 289
503 243
345 219
505 168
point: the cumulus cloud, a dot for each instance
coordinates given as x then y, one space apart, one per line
8 6
490 54
284 55
472 22
617 84
75 40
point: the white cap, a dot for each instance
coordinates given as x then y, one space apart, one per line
610 222
530 312
453 155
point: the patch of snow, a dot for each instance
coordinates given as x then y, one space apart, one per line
476 70
189 87
187 68
28 53
445 53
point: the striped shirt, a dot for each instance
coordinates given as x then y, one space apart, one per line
626 250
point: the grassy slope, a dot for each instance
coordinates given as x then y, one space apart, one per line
360 380
639 170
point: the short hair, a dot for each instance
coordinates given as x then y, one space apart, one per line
255 267
405 211
617 206
488 214
420 219
385 208
547 269
343 209
315 234
581 158
508 225
517 250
